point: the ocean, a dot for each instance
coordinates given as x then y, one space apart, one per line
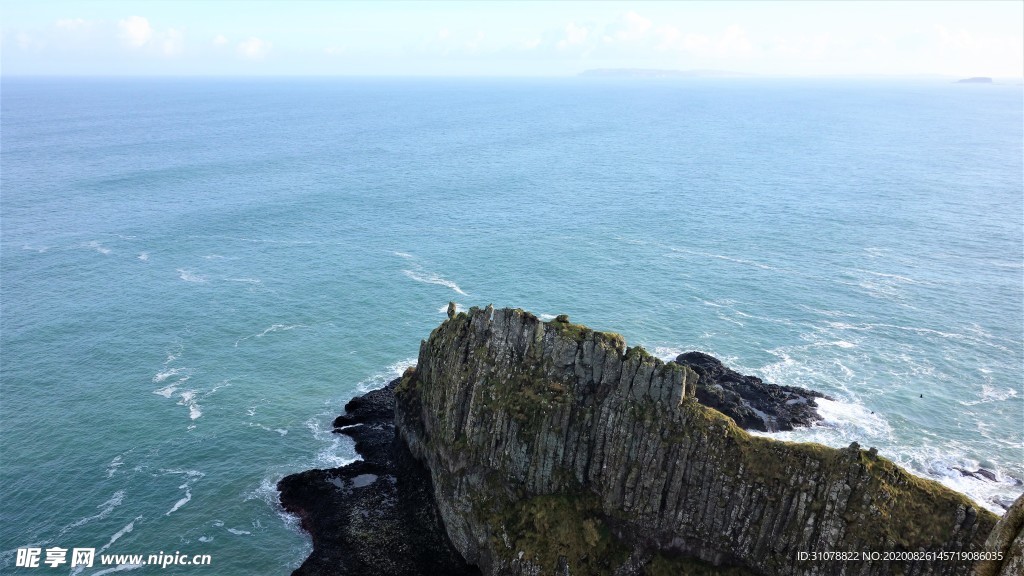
197 274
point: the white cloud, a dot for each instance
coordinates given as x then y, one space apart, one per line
254 48
474 44
531 43
135 31
631 27
219 40
806 47
25 41
574 36
172 42
72 24
964 53
669 37
443 34
734 42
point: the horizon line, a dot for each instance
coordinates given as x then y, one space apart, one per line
722 75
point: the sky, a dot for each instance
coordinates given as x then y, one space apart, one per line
493 38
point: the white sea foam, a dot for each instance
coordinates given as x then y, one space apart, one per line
431 278
239 532
850 421
280 431
245 280
188 398
667 353
185 500
196 474
116 463
405 255
943 463
742 261
165 374
95 245
268 493
117 535
115 500
166 391
223 384
336 450
546 317
380 379
144 256
271 329
853 419
989 394
205 539
190 276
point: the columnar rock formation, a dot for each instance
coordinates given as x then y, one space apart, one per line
556 449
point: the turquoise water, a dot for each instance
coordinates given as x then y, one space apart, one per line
196 275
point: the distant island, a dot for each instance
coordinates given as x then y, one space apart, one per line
975 80
656 73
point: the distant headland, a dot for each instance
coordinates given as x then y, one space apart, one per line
975 80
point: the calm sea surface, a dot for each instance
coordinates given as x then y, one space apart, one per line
196 275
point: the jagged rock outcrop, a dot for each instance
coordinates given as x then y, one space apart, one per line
556 449
751 403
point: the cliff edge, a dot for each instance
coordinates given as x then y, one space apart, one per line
553 448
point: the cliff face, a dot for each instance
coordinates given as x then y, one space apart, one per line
556 449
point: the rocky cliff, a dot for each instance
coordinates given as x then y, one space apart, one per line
555 449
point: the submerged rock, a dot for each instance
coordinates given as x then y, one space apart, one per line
750 402
980 473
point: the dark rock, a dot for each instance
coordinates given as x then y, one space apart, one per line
980 473
376 516
987 474
375 408
750 402
451 309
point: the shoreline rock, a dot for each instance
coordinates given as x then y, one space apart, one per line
750 402
375 516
